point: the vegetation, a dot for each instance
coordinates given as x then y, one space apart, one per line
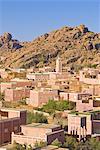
40 144
16 104
56 142
1 97
22 102
11 104
70 142
90 144
36 117
62 105
92 66
17 146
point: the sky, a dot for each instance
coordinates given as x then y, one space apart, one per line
27 19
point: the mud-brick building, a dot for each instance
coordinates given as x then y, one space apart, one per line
10 121
34 132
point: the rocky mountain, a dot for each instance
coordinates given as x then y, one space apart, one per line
77 46
6 42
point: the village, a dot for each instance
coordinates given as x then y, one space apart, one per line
68 101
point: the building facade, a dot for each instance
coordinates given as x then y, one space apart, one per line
10 121
32 133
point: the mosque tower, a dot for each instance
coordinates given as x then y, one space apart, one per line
58 65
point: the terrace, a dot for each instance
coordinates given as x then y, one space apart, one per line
41 125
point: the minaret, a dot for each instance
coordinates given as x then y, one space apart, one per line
58 65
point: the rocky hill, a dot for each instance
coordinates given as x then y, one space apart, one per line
77 46
6 42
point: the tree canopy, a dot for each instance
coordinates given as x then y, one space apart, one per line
61 105
36 117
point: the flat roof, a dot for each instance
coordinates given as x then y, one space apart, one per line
42 125
12 109
18 88
78 116
8 82
20 80
85 113
46 73
39 73
9 119
43 89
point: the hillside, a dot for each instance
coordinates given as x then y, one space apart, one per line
77 46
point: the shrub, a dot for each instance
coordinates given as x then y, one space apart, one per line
62 105
70 142
22 102
40 144
1 97
56 142
36 117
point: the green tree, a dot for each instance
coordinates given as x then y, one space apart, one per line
40 144
70 142
50 107
56 142
84 146
91 144
94 143
29 117
39 118
61 105
36 117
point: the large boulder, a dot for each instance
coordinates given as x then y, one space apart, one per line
97 46
7 37
89 46
77 35
7 42
83 29
14 44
